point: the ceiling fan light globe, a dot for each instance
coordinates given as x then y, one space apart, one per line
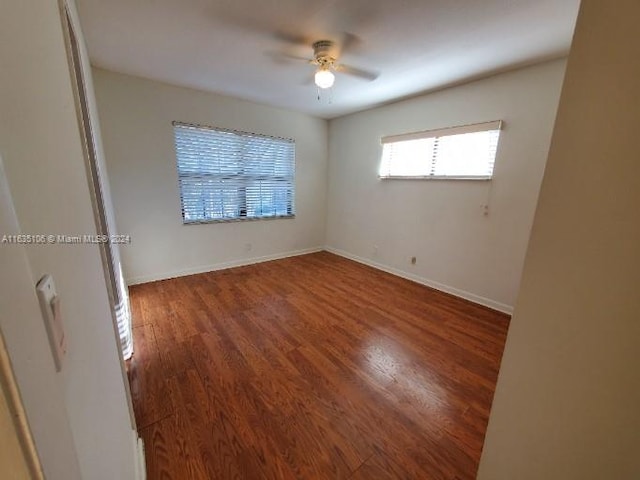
324 78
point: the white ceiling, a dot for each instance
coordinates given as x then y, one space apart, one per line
228 46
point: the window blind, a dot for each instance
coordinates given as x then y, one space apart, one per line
464 152
232 175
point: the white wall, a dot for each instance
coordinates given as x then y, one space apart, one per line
79 416
567 403
41 389
136 116
441 222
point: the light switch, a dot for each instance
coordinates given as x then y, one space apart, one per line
50 307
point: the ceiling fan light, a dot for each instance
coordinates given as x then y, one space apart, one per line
324 78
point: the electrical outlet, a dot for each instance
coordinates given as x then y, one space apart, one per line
413 260
375 250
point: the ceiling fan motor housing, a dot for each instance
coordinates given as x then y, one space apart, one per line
323 52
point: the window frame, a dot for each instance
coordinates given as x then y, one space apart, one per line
241 218
495 125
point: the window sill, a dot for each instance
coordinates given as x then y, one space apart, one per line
233 220
436 177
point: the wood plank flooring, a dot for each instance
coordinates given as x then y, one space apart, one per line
311 367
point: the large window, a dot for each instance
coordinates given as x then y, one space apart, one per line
231 175
466 152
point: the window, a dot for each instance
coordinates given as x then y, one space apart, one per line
231 175
466 152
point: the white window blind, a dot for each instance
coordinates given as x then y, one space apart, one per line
465 152
232 175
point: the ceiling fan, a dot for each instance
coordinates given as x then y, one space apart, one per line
325 58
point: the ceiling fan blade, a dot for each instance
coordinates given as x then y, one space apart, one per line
357 72
292 38
308 80
349 42
282 57
343 41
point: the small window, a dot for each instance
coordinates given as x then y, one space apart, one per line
466 153
229 175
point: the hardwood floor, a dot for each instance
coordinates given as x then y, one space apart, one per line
311 367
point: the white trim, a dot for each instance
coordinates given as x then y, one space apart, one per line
441 132
220 266
501 307
487 302
139 459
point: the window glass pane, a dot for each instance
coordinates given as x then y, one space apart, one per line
233 175
265 198
408 158
470 154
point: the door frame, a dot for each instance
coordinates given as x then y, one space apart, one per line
9 390
94 179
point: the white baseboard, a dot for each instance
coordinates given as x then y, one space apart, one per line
141 466
487 302
220 266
